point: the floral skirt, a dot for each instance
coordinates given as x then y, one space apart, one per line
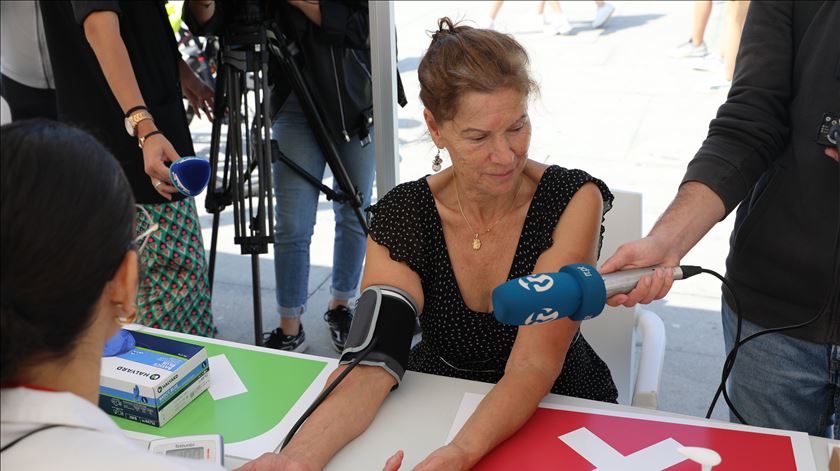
174 293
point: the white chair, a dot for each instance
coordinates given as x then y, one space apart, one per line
5 112
618 331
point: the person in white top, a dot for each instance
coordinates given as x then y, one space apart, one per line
26 76
69 280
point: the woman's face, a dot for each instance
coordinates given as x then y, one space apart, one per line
487 139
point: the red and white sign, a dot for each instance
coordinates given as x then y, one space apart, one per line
575 438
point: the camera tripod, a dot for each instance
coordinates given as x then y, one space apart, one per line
244 56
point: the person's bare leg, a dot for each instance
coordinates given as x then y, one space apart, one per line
290 325
702 11
736 14
494 9
334 303
554 4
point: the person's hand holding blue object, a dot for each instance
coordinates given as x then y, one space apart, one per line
190 175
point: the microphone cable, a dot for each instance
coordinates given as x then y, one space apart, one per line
832 298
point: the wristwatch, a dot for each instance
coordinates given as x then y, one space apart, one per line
133 119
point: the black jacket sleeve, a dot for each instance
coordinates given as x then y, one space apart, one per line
752 127
346 24
213 26
81 9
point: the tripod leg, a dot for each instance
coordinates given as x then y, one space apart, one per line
214 238
255 283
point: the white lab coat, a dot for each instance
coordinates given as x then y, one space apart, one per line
98 445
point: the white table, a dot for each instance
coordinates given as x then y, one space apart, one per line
417 417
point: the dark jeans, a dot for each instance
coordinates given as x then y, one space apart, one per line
782 382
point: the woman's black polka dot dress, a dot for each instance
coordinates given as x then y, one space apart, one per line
457 341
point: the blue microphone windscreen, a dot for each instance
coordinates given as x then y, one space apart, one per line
577 292
190 175
593 293
537 298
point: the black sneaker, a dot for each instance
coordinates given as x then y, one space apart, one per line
339 320
276 339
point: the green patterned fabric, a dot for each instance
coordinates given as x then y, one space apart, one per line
174 293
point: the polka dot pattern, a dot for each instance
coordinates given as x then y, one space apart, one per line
458 341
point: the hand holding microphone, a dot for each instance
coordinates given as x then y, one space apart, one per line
647 252
577 291
157 151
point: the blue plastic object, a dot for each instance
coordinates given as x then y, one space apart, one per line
190 175
120 343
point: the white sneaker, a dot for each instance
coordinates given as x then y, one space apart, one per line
485 23
529 23
602 14
559 25
709 63
689 50
720 85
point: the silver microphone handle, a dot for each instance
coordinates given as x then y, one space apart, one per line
622 282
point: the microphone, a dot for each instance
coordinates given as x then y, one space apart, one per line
577 291
190 175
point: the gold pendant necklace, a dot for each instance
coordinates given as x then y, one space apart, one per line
476 242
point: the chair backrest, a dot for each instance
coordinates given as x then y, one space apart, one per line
611 333
5 112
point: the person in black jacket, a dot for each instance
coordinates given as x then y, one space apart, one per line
761 152
333 37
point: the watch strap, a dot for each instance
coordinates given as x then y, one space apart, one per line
134 110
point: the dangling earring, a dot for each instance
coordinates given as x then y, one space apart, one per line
436 162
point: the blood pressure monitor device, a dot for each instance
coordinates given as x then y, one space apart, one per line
197 447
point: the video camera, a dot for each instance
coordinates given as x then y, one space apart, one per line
828 132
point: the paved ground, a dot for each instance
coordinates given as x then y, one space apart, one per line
612 103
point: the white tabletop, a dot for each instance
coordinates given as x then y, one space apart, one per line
418 415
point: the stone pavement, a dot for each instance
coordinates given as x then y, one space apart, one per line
612 103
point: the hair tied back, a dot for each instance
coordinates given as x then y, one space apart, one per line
445 28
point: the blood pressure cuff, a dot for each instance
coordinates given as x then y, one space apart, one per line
388 315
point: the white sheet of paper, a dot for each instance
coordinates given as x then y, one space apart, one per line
224 382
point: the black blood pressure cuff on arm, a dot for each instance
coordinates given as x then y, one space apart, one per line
388 315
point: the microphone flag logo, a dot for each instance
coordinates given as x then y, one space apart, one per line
539 283
545 315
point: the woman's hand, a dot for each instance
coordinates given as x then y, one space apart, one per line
274 462
832 153
446 458
199 94
156 151
394 462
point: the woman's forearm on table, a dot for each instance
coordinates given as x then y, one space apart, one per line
344 415
502 412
